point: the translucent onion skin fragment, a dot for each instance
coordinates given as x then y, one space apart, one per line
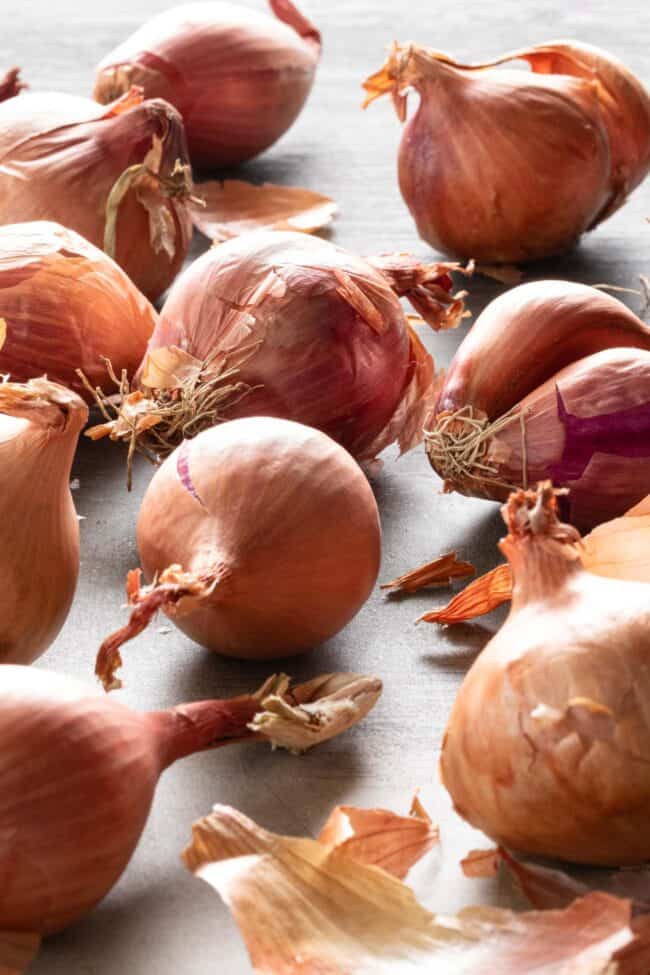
61 157
238 77
547 745
506 165
67 306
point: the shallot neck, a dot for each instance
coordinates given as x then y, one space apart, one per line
195 727
541 566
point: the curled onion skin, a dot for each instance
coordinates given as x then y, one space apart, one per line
546 747
506 165
40 424
67 306
238 77
61 157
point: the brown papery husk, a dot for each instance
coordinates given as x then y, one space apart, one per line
40 424
78 772
238 77
546 747
231 531
67 305
118 175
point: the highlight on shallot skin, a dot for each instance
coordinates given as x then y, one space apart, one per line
512 165
238 77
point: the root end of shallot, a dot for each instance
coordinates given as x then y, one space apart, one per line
440 572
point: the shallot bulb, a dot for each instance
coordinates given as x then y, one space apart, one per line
78 771
40 424
508 165
67 306
283 324
570 401
547 745
239 78
118 175
263 537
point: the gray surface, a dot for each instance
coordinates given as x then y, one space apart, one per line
158 918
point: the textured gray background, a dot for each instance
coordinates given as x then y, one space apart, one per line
158 918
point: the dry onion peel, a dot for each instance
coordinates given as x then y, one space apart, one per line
305 907
11 85
40 423
440 572
231 531
238 77
232 207
558 148
545 750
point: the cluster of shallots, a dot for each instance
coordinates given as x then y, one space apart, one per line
277 367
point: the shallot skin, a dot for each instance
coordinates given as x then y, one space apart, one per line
60 157
238 77
283 520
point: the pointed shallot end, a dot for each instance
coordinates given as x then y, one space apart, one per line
286 11
176 592
313 712
42 402
440 572
305 907
17 951
478 598
231 207
428 287
11 85
534 512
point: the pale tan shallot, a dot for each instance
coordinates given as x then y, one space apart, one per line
40 423
512 165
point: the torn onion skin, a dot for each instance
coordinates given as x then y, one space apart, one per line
547 743
238 77
79 771
233 528
63 158
40 423
571 402
558 149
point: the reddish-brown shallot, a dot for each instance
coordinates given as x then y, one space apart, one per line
547 742
40 423
238 77
78 773
67 307
505 165
119 175
233 530
307 906
283 324
569 401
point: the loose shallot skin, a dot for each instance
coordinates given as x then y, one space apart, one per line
283 520
547 745
60 157
67 305
238 77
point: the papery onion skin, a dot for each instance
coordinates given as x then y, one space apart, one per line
248 504
547 743
40 424
67 305
60 157
238 77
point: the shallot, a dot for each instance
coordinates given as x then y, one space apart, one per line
507 165
40 423
239 78
547 744
282 324
570 401
67 306
78 772
119 175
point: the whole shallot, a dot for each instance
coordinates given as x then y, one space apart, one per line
238 77
119 175
287 325
78 772
67 306
547 745
569 401
40 424
262 537
511 165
